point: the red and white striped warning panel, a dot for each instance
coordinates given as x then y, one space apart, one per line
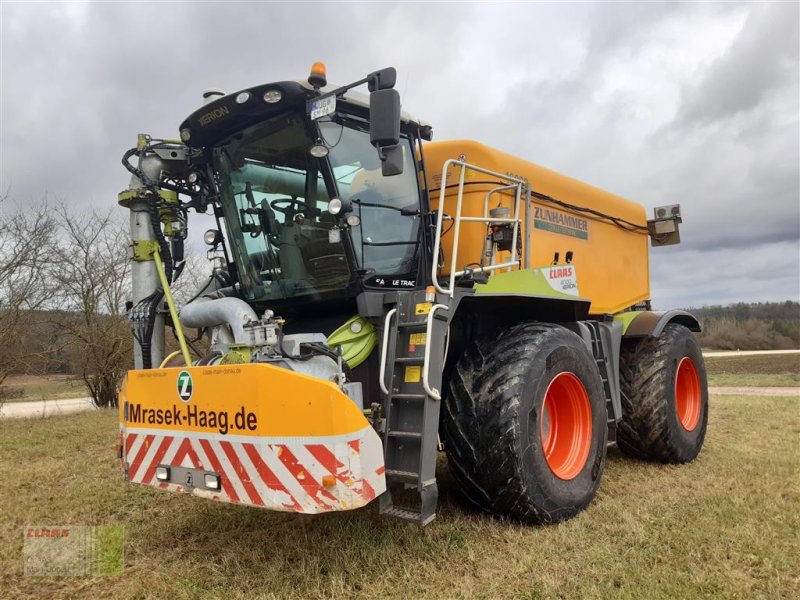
307 475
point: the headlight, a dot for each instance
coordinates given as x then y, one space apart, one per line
353 220
273 96
212 237
243 97
186 135
335 206
318 150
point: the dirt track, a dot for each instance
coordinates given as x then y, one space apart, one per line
755 391
727 353
45 408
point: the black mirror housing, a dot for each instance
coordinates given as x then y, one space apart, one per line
392 160
384 118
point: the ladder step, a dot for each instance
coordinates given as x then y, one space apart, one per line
412 324
409 475
403 513
405 434
410 360
408 396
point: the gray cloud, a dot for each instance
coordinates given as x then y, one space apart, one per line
761 60
694 103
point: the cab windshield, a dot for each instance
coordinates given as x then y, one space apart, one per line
386 241
275 198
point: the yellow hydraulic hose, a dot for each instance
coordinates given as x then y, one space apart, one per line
169 358
174 313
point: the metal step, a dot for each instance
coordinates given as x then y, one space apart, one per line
403 513
405 434
421 324
410 360
408 475
409 396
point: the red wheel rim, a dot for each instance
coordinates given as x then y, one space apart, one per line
687 394
566 426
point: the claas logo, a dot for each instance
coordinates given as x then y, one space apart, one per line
185 385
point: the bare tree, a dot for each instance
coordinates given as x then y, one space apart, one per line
26 251
92 277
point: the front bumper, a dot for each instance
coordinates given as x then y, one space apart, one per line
265 436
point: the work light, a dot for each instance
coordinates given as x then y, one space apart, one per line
273 96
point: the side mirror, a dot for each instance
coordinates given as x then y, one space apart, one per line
392 160
384 129
384 118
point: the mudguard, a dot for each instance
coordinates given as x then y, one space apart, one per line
651 323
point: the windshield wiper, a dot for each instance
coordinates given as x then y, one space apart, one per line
407 211
391 243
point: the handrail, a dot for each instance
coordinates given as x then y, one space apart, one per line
432 392
514 183
384 347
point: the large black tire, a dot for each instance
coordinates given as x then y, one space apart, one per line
664 397
493 430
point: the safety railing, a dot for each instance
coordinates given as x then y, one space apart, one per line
509 183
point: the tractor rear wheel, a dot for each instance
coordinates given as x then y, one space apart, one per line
664 397
524 424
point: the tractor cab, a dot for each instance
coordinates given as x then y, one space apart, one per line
319 202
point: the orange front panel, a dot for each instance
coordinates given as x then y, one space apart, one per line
611 262
247 399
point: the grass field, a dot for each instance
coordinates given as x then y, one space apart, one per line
24 388
760 370
725 525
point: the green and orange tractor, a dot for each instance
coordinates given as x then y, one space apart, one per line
376 297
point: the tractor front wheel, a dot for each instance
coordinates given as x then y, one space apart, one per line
525 423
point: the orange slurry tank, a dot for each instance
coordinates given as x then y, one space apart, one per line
249 434
611 262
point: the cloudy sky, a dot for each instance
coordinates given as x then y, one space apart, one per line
694 103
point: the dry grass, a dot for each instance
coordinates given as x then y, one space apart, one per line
760 370
25 388
723 526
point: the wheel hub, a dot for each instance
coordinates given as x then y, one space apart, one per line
687 394
566 426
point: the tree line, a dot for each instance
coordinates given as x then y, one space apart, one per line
750 326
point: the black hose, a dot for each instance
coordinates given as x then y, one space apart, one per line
163 245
